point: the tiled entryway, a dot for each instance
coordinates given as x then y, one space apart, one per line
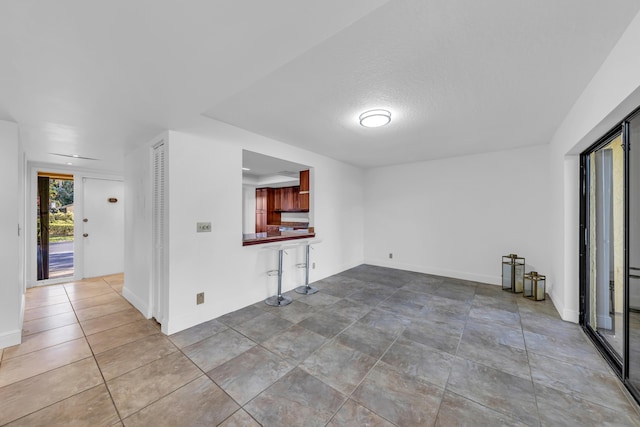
376 346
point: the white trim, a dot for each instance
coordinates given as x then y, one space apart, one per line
11 338
604 322
570 315
481 278
143 307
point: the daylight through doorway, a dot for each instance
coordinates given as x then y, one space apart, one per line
55 206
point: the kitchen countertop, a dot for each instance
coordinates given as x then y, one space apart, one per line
275 236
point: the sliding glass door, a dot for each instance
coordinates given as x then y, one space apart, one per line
633 361
610 248
605 172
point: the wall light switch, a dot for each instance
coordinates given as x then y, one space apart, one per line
200 298
203 227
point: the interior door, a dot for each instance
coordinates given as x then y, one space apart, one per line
159 231
103 227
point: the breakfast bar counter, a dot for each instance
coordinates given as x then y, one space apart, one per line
275 236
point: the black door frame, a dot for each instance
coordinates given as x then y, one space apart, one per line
618 364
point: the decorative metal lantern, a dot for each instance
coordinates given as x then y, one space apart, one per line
534 285
512 273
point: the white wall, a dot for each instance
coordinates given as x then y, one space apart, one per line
205 184
612 94
444 217
12 195
248 209
456 217
137 227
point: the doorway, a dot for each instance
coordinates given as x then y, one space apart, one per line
55 226
610 248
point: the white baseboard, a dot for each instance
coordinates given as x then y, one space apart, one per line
11 338
338 270
604 322
570 315
482 278
137 302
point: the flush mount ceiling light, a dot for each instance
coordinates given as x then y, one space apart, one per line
375 118
246 169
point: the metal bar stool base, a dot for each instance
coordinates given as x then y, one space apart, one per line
278 301
306 290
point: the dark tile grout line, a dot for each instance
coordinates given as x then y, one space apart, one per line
521 329
349 397
533 384
327 342
95 360
92 356
324 344
446 384
445 388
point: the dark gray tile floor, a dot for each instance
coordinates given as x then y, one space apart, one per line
375 347
386 347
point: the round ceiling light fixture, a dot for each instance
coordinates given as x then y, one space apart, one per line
375 118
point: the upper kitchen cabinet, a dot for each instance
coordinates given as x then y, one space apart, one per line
273 199
290 200
261 210
294 198
304 191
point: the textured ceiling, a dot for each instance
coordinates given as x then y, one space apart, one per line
460 77
95 78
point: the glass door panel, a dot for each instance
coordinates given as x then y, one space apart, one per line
633 362
55 225
605 224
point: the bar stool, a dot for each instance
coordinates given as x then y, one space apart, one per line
279 300
306 289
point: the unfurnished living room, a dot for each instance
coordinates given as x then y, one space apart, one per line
337 213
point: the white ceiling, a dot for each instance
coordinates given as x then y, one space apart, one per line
460 76
261 166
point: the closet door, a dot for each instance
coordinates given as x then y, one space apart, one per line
159 231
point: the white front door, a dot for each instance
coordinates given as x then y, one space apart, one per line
103 227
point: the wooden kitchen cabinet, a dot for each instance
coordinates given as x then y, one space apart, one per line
273 214
304 191
295 206
261 198
304 181
277 199
261 209
287 198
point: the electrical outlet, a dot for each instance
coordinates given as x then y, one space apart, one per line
313 265
200 298
390 255
203 227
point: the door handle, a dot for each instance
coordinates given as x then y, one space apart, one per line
85 235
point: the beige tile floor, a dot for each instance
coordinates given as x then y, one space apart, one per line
375 347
